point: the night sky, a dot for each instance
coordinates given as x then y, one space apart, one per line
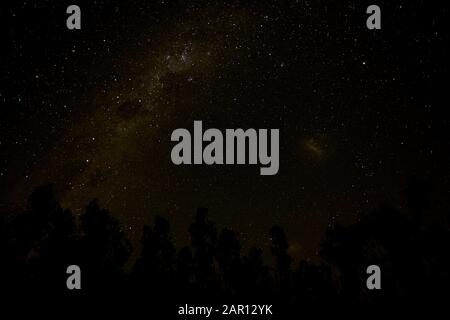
92 110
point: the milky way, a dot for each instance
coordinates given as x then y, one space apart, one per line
93 112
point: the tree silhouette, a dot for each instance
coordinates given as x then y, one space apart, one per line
279 250
104 248
255 280
40 241
184 270
313 283
405 251
229 259
156 264
204 244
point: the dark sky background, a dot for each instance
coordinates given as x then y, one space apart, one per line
92 110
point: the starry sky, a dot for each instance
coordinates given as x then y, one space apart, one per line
92 110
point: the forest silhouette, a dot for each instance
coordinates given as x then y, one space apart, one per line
39 243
